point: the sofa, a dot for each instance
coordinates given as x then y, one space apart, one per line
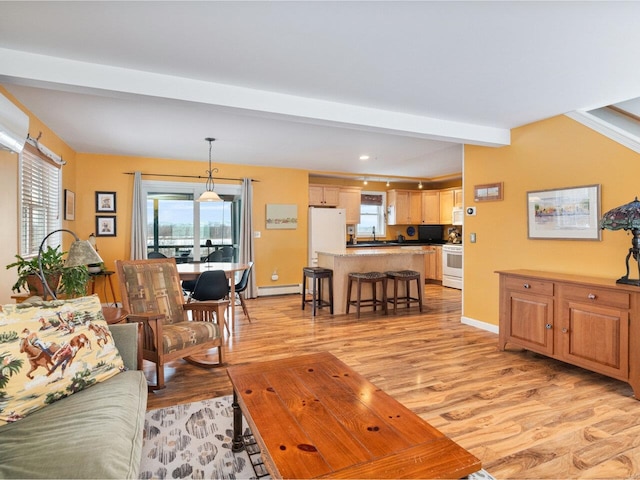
96 432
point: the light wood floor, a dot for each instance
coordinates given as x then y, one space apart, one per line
523 415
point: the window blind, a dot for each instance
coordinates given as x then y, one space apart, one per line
40 192
371 199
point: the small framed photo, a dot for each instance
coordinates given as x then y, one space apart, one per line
105 226
106 202
69 205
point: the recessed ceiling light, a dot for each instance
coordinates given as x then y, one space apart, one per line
364 157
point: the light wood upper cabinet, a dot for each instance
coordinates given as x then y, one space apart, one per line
405 207
324 195
415 207
349 199
457 198
430 207
446 207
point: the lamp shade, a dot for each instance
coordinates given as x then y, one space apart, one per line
209 196
82 252
625 217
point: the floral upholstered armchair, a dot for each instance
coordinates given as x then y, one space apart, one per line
151 293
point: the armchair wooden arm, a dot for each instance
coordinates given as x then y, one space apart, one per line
204 311
151 328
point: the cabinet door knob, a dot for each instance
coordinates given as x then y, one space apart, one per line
548 326
564 330
526 285
591 296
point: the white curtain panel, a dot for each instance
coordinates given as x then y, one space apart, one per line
138 220
246 234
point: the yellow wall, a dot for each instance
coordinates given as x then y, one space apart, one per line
554 153
284 250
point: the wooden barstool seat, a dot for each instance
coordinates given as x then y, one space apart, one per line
406 276
374 278
316 274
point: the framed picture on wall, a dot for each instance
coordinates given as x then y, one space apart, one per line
105 226
106 202
69 205
564 213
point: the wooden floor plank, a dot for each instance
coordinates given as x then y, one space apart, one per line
524 415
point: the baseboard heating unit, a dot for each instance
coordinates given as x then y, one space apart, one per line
279 290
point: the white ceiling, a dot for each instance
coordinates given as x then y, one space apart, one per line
313 85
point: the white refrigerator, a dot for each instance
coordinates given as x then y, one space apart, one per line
327 232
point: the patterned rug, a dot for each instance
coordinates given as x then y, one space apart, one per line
193 441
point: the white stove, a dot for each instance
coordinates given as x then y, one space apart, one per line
452 265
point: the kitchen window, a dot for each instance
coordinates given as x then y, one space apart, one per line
372 214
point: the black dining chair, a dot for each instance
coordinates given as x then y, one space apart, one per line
240 287
210 285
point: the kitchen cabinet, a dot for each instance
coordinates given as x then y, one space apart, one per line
324 195
398 207
349 199
430 207
457 198
433 262
446 207
590 322
415 207
404 207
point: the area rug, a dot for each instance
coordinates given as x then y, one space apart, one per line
193 441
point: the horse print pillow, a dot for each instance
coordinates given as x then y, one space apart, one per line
50 350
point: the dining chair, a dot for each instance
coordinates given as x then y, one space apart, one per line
156 255
210 285
151 294
241 286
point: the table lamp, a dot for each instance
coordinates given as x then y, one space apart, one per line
626 217
80 253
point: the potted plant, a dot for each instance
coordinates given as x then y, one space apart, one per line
72 281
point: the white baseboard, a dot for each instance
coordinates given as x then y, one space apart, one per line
279 290
490 327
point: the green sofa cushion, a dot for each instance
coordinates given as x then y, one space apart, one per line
95 433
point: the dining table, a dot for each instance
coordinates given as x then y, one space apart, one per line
191 271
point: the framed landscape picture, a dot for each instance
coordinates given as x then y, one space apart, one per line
564 213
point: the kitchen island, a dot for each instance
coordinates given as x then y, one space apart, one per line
368 260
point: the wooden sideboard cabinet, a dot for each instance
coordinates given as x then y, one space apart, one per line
590 322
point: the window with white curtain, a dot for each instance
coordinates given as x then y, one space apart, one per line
40 193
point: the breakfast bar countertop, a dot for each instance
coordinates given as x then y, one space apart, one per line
409 250
343 262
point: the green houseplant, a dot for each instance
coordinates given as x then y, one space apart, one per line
71 281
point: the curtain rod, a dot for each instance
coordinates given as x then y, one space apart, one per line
189 176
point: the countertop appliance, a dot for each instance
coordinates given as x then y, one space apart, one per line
327 231
430 233
452 265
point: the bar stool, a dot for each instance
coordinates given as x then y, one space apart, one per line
316 274
405 276
367 277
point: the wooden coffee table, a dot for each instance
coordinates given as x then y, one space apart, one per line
315 417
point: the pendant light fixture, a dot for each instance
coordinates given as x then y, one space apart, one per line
209 195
